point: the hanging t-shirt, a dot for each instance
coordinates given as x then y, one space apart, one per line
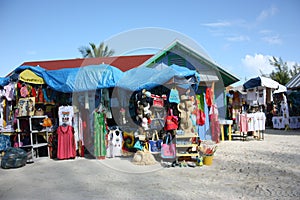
261 120
261 97
65 115
251 96
9 91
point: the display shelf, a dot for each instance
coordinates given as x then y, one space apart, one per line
34 144
184 144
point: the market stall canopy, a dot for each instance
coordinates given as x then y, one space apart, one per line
147 78
83 79
69 80
30 77
261 81
280 89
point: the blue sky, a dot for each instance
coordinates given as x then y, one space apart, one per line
240 36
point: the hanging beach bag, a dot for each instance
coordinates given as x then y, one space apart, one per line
171 121
158 101
155 143
168 148
174 96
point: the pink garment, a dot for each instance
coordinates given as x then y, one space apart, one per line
66 142
24 91
243 123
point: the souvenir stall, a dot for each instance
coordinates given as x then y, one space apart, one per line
280 117
59 108
27 112
292 94
165 111
294 109
91 89
259 97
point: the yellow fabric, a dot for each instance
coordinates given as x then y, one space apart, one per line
30 77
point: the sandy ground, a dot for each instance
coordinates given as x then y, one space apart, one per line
267 169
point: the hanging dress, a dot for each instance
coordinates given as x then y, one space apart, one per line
99 135
66 143
215 126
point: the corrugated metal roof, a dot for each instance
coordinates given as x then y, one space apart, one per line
294 83
124 63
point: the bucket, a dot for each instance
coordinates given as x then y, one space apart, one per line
208 160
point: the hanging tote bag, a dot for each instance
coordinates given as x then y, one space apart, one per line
155 143
171 121
168 148
174 96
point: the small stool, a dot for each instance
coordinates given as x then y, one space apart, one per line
223 122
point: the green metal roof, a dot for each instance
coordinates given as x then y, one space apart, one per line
201 57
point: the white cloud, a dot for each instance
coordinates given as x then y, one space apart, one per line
258 62
274 39
267 13
265 31
239 38
218 24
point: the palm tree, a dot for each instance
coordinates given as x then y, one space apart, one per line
93 51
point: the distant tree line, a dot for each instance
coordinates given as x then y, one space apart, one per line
282 74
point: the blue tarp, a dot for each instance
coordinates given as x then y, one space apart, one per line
147 78
4 81
83 79
69 80
94 77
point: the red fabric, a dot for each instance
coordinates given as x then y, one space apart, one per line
200 117
209 96
66 143
40 96
33 92
214 124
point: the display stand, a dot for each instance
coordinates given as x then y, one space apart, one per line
185 146
34 144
